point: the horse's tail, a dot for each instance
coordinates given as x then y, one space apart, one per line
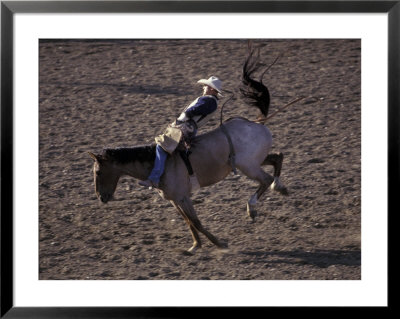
254 92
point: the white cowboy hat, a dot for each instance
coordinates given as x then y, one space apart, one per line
213 82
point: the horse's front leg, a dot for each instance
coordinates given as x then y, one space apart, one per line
187 208
195 235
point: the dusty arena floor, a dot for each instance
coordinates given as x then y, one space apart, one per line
122 93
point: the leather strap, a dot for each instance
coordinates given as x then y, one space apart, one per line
232 154
185 157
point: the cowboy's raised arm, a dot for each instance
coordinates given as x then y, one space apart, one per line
203 106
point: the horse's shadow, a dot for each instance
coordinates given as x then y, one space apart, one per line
319 257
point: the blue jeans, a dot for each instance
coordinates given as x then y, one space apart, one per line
159 164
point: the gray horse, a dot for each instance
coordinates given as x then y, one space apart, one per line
211 160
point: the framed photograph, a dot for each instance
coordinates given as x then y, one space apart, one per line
281 199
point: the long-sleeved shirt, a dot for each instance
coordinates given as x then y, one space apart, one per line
200 109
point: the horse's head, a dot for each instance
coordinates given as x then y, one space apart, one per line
105 177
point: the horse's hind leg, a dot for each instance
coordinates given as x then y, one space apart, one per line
265 181
187 209
195 235
276 161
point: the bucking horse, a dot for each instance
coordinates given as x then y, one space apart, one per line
238 143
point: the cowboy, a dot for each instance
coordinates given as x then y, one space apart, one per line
186 125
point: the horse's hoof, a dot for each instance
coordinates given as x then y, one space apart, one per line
277 186
252 213
187 252
191 251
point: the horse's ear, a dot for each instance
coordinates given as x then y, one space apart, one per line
94 157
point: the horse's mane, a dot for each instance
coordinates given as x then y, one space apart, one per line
254 92
123 155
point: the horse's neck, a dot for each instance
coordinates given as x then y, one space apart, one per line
136 162
136 169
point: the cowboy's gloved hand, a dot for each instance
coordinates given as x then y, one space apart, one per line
183 117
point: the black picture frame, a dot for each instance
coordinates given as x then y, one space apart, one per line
9 8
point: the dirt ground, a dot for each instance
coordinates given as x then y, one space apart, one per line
118 93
